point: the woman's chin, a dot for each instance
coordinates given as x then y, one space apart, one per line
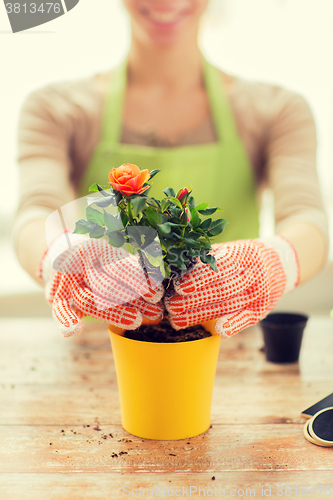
165 36
165 33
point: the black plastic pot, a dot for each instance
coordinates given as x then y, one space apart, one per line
283 334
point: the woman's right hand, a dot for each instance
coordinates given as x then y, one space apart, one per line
92 278
251 277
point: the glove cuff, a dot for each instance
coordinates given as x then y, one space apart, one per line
59 245
288 258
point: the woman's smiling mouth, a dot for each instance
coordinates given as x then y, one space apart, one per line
164 17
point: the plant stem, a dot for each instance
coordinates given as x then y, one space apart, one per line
129 208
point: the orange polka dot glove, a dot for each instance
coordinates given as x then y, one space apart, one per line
251 277
89 277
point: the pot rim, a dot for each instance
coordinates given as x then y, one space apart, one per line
292 319
121 332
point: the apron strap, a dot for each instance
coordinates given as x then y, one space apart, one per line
113 109
220 107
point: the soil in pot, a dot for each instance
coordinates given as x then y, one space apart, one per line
163 332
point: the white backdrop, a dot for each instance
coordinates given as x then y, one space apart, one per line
288 42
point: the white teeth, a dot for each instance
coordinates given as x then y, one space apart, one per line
164 17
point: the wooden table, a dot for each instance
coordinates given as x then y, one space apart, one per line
61 434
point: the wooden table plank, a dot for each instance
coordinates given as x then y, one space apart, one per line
224 447
275 400
49 384
101 486
73 380
33 351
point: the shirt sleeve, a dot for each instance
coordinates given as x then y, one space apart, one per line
58 129
44 163
291 163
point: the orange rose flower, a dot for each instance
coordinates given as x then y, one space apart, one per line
129 179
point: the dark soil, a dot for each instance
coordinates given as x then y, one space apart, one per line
163 332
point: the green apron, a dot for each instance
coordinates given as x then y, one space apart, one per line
219 173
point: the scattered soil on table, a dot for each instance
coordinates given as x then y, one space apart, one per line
163 332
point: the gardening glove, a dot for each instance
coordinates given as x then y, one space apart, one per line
251 277
89 277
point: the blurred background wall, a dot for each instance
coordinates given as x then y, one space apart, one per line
285 42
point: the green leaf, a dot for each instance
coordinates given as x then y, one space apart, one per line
83 226
93 188
139 204
193 252
112 223
164 204
155 250
164 229
195 235
101 189
217 227
152 202
176 202
141 236
209 259
178 263
175 212
124 218
153 173
97 232
106 202
169 192
174 236
167 270
174 253
191 202
101 201
154 218
94 215
118 196
146 192
116 238
176 257
155 260
205 244
92 199
184 219
195 219
209 211
174 227
202 206
205 225
192 243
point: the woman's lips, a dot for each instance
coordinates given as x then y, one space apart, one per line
163 18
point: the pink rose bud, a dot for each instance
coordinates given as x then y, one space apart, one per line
188 213
182 193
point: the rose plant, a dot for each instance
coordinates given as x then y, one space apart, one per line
168 234
165 386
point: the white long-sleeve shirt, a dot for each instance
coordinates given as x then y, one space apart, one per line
60 127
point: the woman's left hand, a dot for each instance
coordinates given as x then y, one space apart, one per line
88 277
251 277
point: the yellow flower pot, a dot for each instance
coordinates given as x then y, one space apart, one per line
165 388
